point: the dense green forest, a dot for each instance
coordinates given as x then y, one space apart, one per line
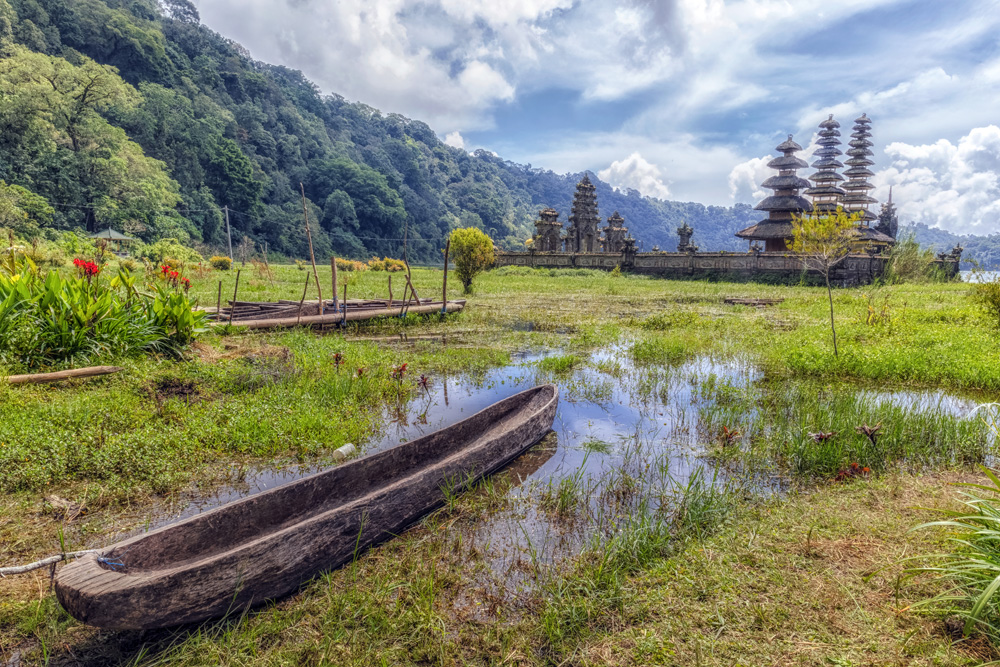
131 114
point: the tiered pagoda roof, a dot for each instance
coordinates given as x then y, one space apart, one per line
826 193
860 159
784 203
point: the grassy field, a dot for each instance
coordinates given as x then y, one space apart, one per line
688 588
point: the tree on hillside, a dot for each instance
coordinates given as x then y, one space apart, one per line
824 241
473 253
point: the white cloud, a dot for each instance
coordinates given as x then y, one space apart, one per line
637 173
952 186
746 177
455 139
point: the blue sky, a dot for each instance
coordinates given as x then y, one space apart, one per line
681 99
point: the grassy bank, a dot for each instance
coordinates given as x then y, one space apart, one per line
661 592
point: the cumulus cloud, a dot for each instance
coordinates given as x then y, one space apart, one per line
952 186
455 139
637 173
746 177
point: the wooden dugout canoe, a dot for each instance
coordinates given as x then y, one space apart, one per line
266 546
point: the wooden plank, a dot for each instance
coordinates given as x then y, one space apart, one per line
36 378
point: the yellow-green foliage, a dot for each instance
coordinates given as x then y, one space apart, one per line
172 249
386 264
350 265
221 263
986 294
472 252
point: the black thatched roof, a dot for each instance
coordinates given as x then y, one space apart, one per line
869 234
767 229
785 183
860 143
829 134
863 118
828 151
824 190
826 163
788 203
829 123
787 162
788 146
859 172
826 178
858 152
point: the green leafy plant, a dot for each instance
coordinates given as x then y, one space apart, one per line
472 252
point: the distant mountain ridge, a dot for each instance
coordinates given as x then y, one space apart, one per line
190 124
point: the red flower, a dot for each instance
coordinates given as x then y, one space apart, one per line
164 269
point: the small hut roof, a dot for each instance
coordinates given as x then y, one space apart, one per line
111 235
767 229
869 234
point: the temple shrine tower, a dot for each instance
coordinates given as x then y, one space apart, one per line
860 158
825 193
583 235
776 230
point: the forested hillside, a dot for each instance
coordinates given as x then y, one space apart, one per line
132 115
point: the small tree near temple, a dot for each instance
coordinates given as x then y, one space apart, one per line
825 240
472 251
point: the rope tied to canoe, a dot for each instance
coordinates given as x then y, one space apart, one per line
114 564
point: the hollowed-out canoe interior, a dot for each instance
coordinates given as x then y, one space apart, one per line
249 519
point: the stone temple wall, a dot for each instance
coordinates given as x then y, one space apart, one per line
778 268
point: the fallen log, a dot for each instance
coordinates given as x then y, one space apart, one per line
36 378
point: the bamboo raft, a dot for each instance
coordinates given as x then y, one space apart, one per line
266 546
284 313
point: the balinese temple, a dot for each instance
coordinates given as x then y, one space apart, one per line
684 233
548 231
583 235
776 230
826 192
615 233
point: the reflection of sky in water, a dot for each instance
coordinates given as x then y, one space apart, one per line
613 418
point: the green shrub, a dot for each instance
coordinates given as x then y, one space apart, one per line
349 265
220 262
169 248
472 252
986 295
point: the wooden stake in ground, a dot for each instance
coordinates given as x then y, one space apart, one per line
303 300
406 262
333 279
236 289
389 303
444 287
312 257
218 303
344 321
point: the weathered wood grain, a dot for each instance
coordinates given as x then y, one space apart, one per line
37 378
266 546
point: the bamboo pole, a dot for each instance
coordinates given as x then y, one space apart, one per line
236 289
402 303
36 378
305 288
39 564
333 279
357 315
312 257
344 321
444 287
389 302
